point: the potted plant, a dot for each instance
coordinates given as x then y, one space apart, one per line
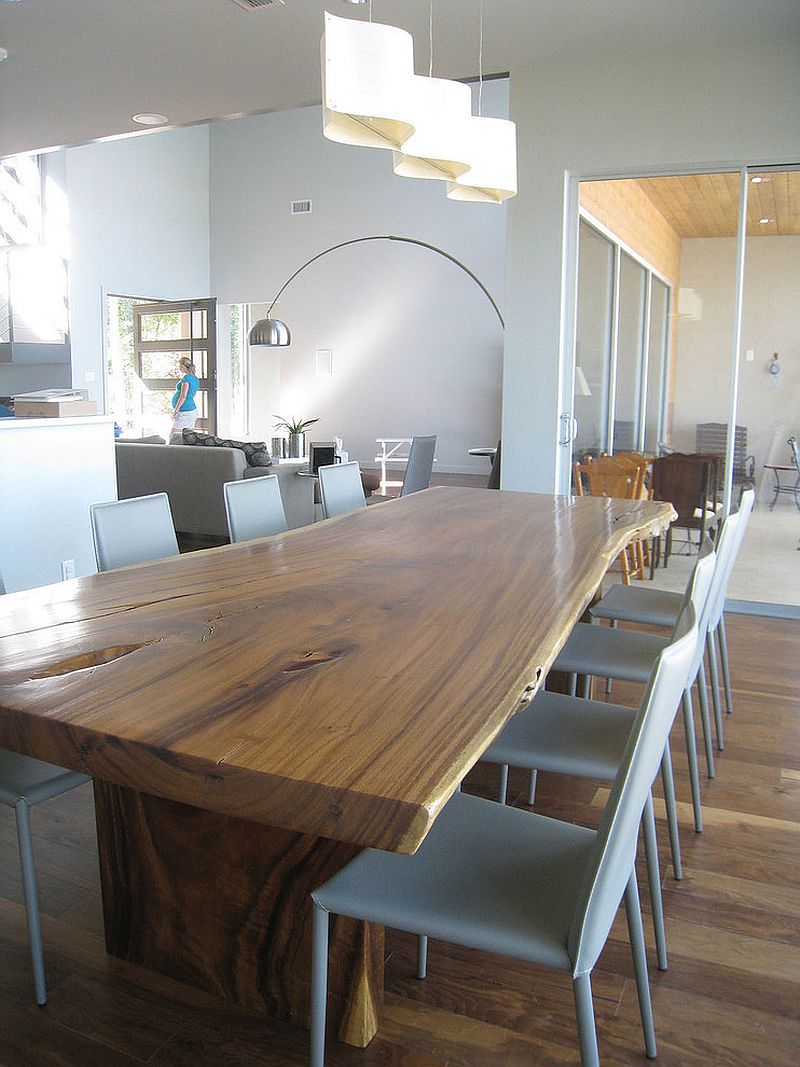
296 430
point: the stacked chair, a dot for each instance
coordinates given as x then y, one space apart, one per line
499 879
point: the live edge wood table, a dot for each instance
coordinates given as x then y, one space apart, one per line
255 714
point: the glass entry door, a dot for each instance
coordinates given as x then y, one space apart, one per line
163 333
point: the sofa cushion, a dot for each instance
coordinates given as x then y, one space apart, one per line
255 452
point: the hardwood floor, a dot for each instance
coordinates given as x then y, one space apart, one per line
731 995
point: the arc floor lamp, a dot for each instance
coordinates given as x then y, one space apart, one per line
274 333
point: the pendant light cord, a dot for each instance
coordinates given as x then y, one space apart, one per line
430 39
480 63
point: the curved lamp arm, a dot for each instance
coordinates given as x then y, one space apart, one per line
273 333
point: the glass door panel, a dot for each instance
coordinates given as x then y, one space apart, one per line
657 351
593 340
627 392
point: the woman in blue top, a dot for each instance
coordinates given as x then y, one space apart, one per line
183 405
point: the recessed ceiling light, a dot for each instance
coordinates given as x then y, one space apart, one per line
757 180
764 221
147 118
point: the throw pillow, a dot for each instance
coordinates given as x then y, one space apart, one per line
255 452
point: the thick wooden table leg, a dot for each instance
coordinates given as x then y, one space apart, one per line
223 903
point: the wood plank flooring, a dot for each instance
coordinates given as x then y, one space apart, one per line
731 995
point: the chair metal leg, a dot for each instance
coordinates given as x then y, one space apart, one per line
654 881
633 913
532 788
713 674
672 812
586 686
722 637
422 956
705 719
614 625
31 897
584 1013
319 985
502 785
573 684
691 755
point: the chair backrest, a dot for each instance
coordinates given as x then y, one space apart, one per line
614 850
687 482
611 479
2 585
254 508
420 465
132 531
795 450
340 489
729 542
494 473
698 594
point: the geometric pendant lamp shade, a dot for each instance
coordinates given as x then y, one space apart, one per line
438 148
371 97
492 176
367 69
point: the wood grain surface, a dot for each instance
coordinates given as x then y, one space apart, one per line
337 681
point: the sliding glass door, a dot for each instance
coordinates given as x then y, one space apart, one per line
622 347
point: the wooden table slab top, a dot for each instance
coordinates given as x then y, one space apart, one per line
338 680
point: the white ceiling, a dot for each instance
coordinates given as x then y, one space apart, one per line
78 69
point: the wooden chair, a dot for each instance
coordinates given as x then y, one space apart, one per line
642 465
605 478
690 483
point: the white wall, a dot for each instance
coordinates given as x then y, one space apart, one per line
616 116
767 405
138 224
417 348
51 470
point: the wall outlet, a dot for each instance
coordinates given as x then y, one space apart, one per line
749 355
67 569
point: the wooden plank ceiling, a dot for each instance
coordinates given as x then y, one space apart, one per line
707 205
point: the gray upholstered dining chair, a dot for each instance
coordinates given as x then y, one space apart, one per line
503 880
135 530
254 508
419 466
24 782
340 489
660 607
586 739
629 655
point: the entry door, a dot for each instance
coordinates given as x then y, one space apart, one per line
162 333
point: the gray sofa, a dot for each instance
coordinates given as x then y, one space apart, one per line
193 476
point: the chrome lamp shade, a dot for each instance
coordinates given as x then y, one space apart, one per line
270 333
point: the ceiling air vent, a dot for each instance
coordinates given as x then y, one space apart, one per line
301 207
254 5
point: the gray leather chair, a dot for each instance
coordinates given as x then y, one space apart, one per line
132 531
586 738
340 489
660 607
419 465
254 508
24 782
503 880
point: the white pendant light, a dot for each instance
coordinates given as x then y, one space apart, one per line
492 176
438 148
367 74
